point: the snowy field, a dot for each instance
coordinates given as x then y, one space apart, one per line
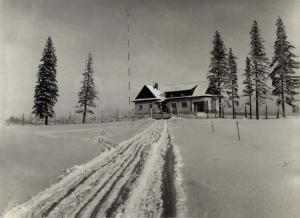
132 179
33 157
258 176
181 167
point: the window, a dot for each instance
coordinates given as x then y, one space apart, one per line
141 107
174 105
184 104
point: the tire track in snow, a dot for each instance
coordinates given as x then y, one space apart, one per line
40 202
111 181
124 191
80 211
168 186
81 182
72 189
126 187
133 178
105 196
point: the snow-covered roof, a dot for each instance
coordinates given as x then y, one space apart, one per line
157 93
199 88
179 87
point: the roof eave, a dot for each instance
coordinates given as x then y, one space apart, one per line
146 99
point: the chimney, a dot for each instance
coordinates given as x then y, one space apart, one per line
155 85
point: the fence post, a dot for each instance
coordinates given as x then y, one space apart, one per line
223 114
233 111
266 112
207 111
212 127
245 112
238 130
69 118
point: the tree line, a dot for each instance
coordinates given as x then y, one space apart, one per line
46 89
258 71
222 76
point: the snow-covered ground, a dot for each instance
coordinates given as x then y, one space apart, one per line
258 176
33 157
171 165
125 181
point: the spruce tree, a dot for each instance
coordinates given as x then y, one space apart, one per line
232 85
248 82
283 65
88 93
46 90
217 75
259 67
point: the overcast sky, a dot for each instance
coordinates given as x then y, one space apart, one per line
171 43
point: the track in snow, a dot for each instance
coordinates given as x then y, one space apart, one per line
132 179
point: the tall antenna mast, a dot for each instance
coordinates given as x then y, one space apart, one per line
128 58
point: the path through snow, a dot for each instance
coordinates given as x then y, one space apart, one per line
127 181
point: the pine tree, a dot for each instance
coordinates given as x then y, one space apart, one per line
248 82
232 86
217 75
283 64
88 93
259 67
46 90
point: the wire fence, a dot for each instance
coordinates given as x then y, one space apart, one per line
77 119
68 119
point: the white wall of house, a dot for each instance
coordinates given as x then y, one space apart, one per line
187 105
141 108
184 106
211 103
144 107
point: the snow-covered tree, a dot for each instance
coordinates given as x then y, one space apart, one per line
88 93
283 75
46 90
232 85
217 75
248 82
259 67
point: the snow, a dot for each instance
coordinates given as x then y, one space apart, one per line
34 157
255 177
91 189
181 197
146 198
215 174
155 92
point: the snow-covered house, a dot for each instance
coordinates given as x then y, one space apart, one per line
183 98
